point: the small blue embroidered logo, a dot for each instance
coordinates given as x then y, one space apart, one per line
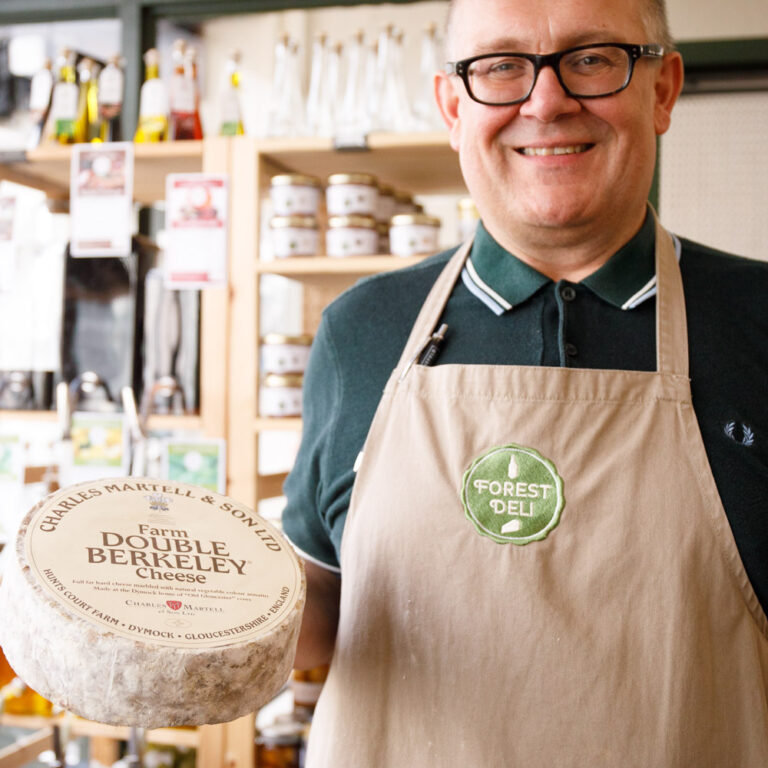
740 433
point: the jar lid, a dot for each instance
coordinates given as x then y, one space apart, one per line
303 339
294 179
280 734
403 197
386 190
353 178
304 222
356 222
283 380
404 219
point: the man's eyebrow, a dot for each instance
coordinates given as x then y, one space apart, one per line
513 45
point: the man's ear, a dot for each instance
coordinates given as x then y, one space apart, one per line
669 83
448 102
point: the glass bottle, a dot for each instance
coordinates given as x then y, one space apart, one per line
40 102
110 95
231 115
287 113
89 121
330 97
317 74
352 111
153 102
185 118
424 106
65 99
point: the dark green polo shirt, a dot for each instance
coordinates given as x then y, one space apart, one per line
504 312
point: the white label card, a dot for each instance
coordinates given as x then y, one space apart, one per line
101 199
197 461
197 211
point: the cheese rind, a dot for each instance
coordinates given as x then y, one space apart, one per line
192 656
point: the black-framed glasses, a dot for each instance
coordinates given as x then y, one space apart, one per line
585 72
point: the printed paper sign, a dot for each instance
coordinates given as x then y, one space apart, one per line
101 199
196 210
200 462
98 447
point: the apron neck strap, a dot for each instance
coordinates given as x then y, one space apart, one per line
671 326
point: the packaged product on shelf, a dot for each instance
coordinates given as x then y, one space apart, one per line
110 97
209 632
352 193
184 97
413 234
281 395
294 194
88 108
468 217
404 202
382 227
17 698
40 93
153 102
65 101
294 236
281 353
385 206
351 236
231 118
279 745
306 685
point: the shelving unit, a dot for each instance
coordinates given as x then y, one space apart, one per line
418 163
47 168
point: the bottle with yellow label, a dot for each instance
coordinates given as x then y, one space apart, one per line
90 124
17 698
231 114
65 101
153 103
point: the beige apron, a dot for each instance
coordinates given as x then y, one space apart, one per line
628 635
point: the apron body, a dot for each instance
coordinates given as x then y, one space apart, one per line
627 635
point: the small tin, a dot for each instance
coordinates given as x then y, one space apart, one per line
294 236
413 234
352 193
294 194
385 208
468 217
285 354
351 236
404 202
281 395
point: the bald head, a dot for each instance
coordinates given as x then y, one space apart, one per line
654 15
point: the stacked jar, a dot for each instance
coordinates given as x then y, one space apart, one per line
351 200
295 204
283 360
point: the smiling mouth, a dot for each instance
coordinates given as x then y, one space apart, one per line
574 149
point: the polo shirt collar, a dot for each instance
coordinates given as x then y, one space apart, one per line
501 281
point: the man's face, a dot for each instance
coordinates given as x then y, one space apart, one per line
611 140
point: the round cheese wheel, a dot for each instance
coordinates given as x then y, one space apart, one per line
149 603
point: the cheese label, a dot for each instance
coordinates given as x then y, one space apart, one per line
164 562
512 495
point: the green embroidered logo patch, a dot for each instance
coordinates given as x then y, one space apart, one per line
512 494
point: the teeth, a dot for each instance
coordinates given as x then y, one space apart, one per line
545 151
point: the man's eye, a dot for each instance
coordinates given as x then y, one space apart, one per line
506 68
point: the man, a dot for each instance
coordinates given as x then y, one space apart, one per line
555 549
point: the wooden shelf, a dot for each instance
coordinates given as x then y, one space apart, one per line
48 168
182 737
157 421
417 162
324 265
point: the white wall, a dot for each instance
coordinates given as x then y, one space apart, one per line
717 19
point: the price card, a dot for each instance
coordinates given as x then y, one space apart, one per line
196 210
197 461
98 448
101 199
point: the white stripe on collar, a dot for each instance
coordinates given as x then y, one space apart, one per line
483 286
649 289
477 291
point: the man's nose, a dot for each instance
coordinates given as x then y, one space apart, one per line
548 100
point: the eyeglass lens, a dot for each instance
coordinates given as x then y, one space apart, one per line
586 72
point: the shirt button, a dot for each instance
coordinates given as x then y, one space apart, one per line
568 292
571 350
